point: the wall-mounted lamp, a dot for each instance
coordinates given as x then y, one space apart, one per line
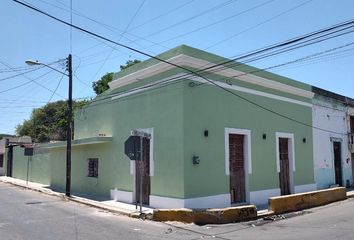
206 133
196 159
264 136
304 140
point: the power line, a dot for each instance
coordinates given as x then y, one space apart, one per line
33 80
56 88
25 83
19 74
163 14
192 17
192 72
259 24
217 22
120 38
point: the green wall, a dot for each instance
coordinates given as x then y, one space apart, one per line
208 107
160 109
38 168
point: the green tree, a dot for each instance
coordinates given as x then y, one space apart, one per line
129 63
48 122
101 85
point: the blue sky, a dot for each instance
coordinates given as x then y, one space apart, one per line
224 27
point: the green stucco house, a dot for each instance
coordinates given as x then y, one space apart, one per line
229 135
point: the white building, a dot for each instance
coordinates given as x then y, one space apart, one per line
332 139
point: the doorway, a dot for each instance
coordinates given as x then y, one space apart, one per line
284 177
145 165
337 163
237 168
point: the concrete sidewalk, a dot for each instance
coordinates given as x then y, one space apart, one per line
110 205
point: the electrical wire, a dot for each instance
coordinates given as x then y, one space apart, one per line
25 83
258 24
56 88
120 38
217 22
186 69
34 80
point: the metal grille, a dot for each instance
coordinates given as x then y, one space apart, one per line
92 167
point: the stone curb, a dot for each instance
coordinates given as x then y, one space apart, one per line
196 216
301 201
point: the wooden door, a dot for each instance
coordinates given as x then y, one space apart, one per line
284 166
337 163
145 164
9 161
237 168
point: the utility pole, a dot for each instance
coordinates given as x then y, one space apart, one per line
69 119
69 128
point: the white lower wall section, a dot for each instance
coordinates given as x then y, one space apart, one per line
216 201
122 196
261 197
306 188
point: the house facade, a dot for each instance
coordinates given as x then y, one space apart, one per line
230 134
333 117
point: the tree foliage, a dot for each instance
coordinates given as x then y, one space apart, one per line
101 85
48 122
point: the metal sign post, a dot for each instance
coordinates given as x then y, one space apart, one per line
141 174
135 152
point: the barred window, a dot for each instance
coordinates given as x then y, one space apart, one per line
92 167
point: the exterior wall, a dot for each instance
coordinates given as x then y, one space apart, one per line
330 115
208 107
38 166
160 110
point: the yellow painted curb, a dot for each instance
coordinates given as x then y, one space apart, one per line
296 202
207 216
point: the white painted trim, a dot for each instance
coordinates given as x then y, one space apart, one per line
247 146
122 196
247 151
215 201
306 188
173 78
254 92
261 197
291 148
290 136
184 60
153 85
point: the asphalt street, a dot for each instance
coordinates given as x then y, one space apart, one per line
29 215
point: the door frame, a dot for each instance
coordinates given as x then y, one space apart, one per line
247 156
291 149
151 161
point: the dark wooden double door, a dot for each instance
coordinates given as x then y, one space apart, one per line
237 168
144 168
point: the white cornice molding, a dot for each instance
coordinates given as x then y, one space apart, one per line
184 60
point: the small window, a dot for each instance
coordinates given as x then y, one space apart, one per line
92 167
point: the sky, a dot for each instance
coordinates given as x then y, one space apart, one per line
225 27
